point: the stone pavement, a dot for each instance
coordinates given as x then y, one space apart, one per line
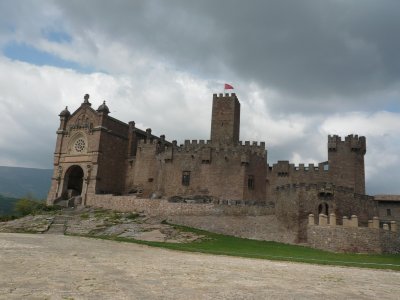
41 266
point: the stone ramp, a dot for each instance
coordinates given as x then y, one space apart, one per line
58 226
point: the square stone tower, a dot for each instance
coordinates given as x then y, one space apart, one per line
225 122
346 161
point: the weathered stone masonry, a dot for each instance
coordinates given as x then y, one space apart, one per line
103 162
349 236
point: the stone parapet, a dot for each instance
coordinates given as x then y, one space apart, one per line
284 165
318 186
354 142
393 198
199 145
350 237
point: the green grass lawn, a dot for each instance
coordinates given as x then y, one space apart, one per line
228 245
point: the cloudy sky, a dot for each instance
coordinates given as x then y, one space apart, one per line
302 69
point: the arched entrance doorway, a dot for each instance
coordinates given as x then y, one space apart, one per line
73 181
323 208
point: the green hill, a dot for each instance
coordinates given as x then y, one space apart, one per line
7 205
17 182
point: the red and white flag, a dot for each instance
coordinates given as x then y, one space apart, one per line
228 87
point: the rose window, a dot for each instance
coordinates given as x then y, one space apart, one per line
79 145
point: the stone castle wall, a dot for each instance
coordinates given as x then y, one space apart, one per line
283 173
119 158
111 164
350 237
295 202
233 218
218 171
345 167
347 239
389 207
164 208
266 227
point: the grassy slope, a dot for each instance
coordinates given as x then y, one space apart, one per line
229 245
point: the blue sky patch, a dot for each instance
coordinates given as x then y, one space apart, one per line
57 36
32 55
393 106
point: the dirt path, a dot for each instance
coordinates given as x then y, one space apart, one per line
64 267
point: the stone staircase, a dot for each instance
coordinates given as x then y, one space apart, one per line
68 203
58 225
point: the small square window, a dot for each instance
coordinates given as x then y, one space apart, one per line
186 178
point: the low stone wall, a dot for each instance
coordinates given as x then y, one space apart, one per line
266 228
235 218
353 239
161 207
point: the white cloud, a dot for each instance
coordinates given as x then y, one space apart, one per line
160 64
383 145
379 123
178 105
170 102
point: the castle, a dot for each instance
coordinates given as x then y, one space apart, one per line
101 161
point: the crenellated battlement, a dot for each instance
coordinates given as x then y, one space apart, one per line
334 138
320 187
198 145
352 142
191 145
195 143
286 167
225 97
253 144
346 234
148 142
351 221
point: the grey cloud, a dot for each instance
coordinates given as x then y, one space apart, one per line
311 52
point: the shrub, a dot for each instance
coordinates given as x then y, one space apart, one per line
85 216
7 218
44 207
132 216
29 205
26 206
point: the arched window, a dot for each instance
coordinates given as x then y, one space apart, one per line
323 208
